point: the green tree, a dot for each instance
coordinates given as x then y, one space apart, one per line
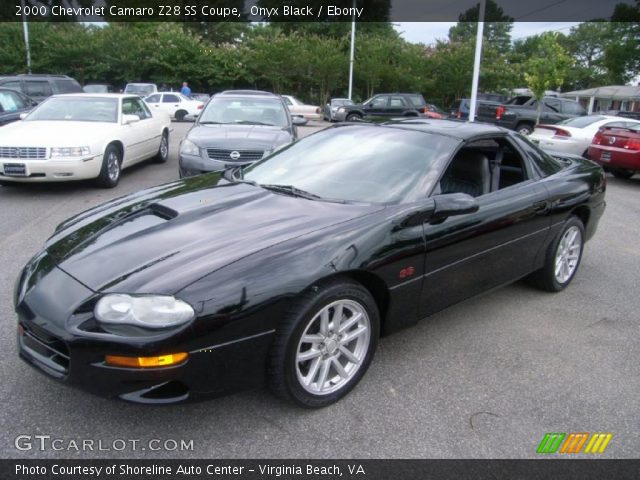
497 27
548 68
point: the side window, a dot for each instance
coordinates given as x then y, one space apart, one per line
169 98
397 102
67 86
572 108
552 104
135 106
14 85
484 166
379 101
153 99
38 88
545 164
11 102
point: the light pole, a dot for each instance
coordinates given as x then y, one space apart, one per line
353 44
25 29
476 62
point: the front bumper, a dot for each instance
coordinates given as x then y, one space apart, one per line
190 165
59 337
52 170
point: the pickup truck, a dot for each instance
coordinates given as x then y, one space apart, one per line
520 113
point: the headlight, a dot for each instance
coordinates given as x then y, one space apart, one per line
189 148
70 152
151 311
341 109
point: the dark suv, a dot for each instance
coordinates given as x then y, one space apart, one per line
39 87
384 106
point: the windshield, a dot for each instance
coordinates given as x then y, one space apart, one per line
357 163
245 110
581 122
139 89
76 109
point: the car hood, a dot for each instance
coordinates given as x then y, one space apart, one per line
238 136
165 239
52 133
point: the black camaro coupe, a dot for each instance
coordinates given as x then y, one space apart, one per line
289 271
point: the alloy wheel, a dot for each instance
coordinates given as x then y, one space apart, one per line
568 254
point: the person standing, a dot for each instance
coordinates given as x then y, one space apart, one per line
186 91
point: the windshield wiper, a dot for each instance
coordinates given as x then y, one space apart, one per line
291 190
251 122
208 122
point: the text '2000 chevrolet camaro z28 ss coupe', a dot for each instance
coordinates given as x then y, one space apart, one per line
289 271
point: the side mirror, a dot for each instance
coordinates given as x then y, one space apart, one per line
297 120
128 119
452 204
23 116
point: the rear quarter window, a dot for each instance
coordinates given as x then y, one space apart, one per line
416 100
543 163
67 86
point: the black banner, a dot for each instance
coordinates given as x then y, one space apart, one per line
307 10
543 469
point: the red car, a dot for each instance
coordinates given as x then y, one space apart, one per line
617 148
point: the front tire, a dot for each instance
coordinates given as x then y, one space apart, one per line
111 167
324 346
563 258
354 117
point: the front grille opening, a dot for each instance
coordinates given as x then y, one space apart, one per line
240 156
48 352
165 393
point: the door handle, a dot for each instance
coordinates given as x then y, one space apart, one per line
541 207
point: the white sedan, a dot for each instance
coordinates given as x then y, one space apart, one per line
82 136
573 135
296 107
175 104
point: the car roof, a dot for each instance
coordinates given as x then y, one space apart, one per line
462 130
247 92
96 95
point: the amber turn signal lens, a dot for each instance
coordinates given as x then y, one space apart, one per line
146 362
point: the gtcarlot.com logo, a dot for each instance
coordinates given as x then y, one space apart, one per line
574 442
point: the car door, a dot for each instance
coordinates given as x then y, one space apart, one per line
397 106
154 101
472 253
37 89
170 103
377 106
12 104
139 137
551 111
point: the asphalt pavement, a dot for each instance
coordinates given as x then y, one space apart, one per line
484 379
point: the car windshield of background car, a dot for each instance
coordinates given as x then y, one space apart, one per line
245 111
71 109
360 163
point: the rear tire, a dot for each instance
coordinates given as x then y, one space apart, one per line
623 173
180 114
563 258
323 347
111 167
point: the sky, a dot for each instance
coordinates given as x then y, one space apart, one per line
429 32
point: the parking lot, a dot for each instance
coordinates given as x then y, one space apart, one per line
484 379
